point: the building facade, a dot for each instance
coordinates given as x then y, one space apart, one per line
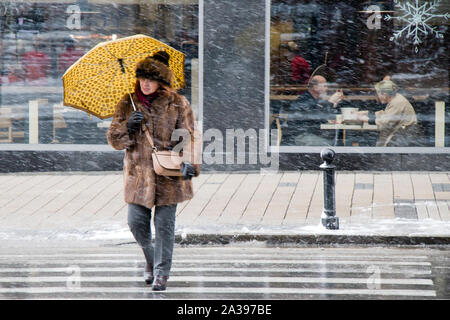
251 67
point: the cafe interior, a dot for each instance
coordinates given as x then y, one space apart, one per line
354 45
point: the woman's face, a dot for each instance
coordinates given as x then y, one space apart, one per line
148 86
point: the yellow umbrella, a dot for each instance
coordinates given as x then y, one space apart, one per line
100 78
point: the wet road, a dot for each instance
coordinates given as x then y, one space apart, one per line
244 271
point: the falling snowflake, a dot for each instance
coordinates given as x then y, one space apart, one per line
416 18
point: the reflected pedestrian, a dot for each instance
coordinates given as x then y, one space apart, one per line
69 56
36 64
162 110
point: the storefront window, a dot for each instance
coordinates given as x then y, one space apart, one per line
360 73
39 40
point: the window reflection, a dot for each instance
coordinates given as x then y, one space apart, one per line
40 40
327 59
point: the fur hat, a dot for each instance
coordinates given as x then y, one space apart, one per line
155 67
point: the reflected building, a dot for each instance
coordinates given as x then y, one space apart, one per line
41 39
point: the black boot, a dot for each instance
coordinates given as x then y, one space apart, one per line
148 273
160 283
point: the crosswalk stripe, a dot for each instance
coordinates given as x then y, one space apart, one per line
246 261
328 269
208 255
67 255
208 290
298 261
226 279
210 272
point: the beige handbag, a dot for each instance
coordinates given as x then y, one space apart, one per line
165 163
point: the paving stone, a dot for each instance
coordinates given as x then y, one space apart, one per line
284 199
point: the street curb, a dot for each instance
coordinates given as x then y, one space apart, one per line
311 239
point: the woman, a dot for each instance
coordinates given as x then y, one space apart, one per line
162 111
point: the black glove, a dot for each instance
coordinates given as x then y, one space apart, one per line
134 123
187 169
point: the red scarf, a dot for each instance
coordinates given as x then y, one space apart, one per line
145 99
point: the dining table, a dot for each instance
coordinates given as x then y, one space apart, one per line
362 126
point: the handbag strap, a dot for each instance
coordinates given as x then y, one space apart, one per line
149 137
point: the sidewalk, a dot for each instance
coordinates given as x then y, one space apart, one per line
373 207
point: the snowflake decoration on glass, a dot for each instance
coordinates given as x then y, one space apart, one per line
416 18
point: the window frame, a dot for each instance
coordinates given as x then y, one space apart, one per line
318 149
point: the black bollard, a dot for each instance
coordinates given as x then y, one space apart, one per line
329 219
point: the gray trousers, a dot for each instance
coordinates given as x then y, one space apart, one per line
139 221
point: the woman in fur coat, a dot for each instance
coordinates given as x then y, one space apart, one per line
162 110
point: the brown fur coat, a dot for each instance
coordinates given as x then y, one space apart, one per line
142 185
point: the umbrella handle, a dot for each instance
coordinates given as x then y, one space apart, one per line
131 98
132 102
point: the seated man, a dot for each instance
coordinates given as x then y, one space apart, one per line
307 113
397 123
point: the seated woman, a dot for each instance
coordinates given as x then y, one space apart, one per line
397 123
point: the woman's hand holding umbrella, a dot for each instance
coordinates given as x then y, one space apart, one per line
134 122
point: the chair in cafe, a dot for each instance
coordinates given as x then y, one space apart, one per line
6 123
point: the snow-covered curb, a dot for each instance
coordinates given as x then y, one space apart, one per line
395 231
